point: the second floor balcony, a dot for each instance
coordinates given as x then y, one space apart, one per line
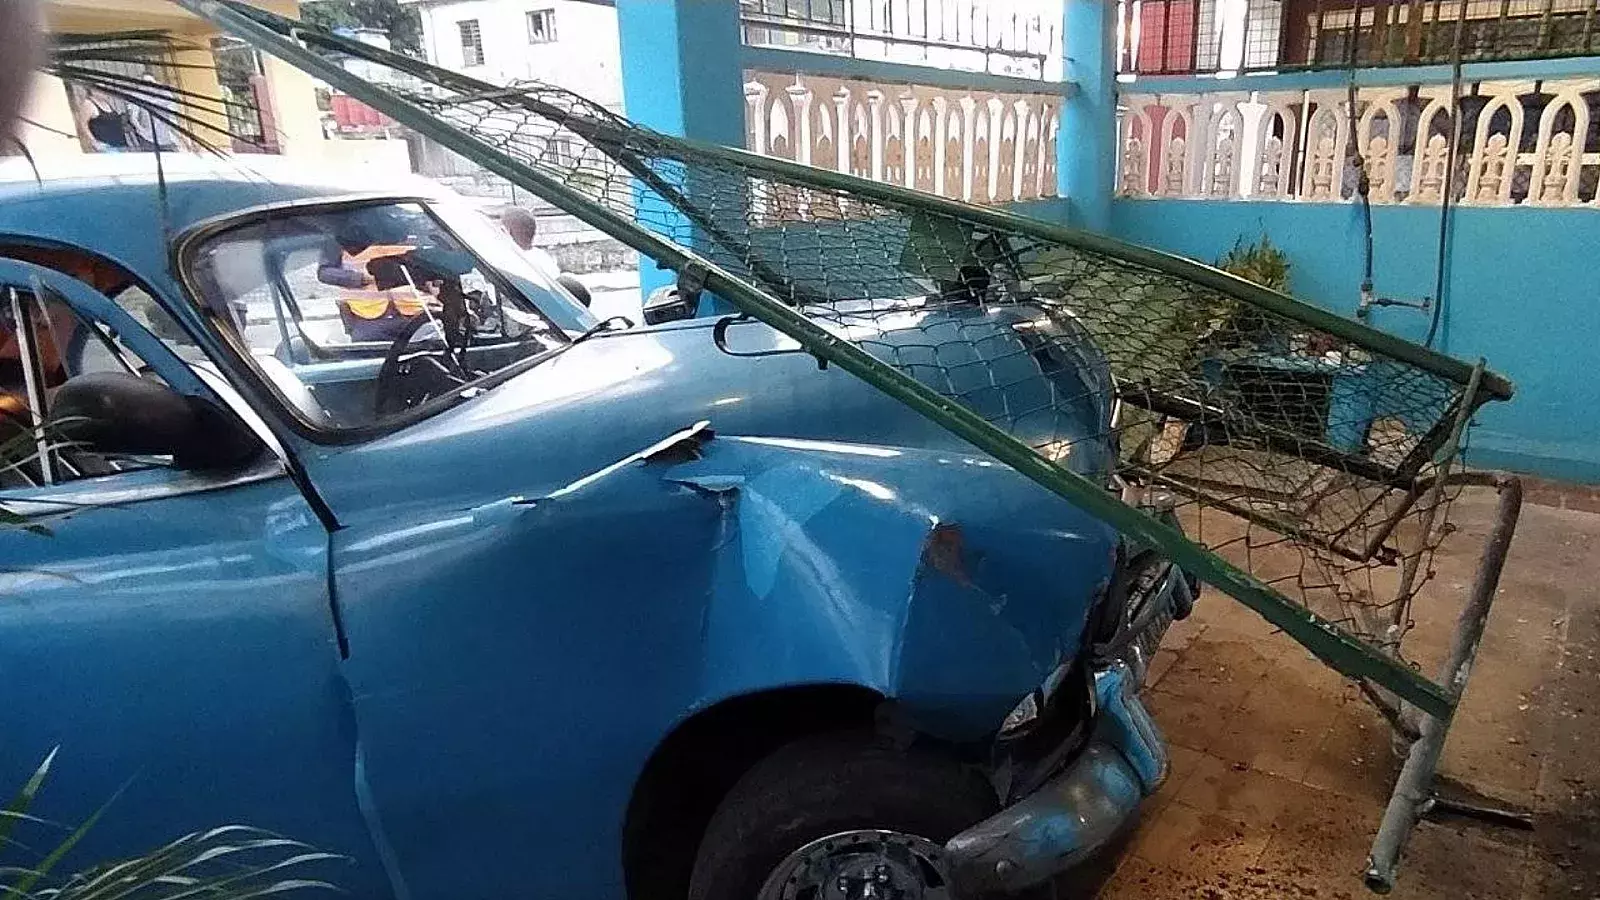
1200 37
1019 38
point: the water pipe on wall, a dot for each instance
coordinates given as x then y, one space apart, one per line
1441 280
1435 304
1369 298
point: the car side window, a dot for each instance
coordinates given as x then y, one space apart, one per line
115 282
43 344
148 312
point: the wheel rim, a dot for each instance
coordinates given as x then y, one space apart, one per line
861 865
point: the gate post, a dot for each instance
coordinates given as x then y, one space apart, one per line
1086 149
682 75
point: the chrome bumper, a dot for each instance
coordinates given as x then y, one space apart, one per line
1074 814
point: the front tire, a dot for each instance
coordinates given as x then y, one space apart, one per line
849 806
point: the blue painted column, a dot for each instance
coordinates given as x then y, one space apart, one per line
1087 145
681 75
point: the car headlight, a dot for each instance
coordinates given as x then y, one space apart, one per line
1045 729
1030 707
1024 714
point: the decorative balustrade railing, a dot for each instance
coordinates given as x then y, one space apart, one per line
1508 143
979 146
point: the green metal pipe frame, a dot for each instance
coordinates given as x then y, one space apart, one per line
1413 790
1324 639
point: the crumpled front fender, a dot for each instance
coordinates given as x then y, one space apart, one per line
946 582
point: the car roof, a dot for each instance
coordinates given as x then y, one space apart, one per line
128 207
21 178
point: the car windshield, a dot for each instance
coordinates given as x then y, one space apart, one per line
362 313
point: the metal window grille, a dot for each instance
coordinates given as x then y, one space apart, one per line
1170 37
1208 53
541 26
1184 37
127 94
471 42
1263 26
1165 33
1020 39
1386 32
1322 34
238 74
141 61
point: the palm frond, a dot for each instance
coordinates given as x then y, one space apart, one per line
17 809
40 872
9 519
230 862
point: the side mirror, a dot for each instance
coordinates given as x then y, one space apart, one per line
666 304
576 288
121 413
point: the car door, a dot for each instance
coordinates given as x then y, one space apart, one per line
167 633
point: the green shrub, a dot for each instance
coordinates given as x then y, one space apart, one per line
1260 262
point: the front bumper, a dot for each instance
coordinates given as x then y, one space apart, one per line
1076 813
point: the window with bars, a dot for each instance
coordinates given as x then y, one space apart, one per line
1018 37
471 42
1261 34
1164 35
1397 32
239 77
815 12
106 120
541 26
818 25
1182 37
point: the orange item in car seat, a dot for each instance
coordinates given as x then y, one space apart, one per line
378 311
13 406
377 304
47 344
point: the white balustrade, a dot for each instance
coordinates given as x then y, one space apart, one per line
979 146
1520 143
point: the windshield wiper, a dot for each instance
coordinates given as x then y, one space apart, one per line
602 327
494 379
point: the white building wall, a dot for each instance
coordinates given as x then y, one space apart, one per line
585 57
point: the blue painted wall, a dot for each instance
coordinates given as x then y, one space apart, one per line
680 67
1520 292
680 75
1085 148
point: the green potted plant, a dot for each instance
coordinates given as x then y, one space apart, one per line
1260 262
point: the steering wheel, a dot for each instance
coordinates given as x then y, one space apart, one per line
441 365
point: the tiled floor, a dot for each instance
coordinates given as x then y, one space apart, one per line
1281 771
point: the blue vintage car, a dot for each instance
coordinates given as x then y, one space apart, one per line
352 526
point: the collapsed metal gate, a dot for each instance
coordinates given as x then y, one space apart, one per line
1314 461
